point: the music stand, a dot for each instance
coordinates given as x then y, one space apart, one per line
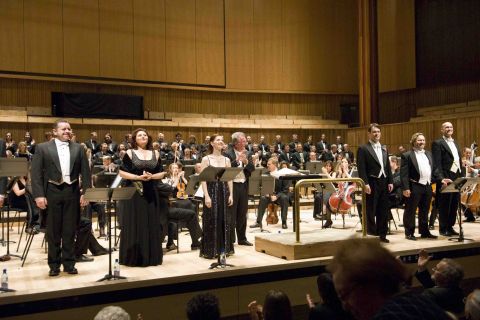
211 174
12 167
109 194
314 166
189 170
263 185
458 186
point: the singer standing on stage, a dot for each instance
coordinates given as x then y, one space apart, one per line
239 158
446 168
374 169
56 169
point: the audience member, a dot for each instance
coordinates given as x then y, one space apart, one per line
203 306
275 307
112 313
472 306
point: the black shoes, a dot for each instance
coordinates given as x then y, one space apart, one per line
245 243
256 225
410 237
327 224
101 252
83 258
384 240
428 236
71 270
453 232
284 226
446 233
195 246
54 272
171 247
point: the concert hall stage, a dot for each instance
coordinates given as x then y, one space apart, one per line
162 291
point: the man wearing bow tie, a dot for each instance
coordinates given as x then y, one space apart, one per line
416 175
56 169
446 168
374 170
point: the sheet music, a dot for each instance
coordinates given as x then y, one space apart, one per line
285 172
199 192
116 182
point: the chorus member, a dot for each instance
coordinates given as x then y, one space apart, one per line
127 143
56 170
339 143
239 158
446 168
144 216
178 139
218 221
160 138
285 155
262 144
278 143
92 143
401 150
348 154
280 197
22 151
10 144
327 155
416 175
249 145
309 144
30 142
293 144
334 150
112 145
322 145
323 196
299 158
374 170
175 155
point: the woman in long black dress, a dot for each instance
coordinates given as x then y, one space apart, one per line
216 219
143 218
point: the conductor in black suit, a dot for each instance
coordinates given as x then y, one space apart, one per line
416 176
56 170
446 168
239 158
374 170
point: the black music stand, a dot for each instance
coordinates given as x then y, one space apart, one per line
314 166
458 186
211 174
12 167
109 194
322 186
262 185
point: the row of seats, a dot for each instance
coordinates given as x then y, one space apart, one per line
457 110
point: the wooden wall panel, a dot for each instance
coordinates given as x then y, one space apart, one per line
116 39
396 45
149 40
180 41
81 38
268 37
43 36
210 42
239 32
12 49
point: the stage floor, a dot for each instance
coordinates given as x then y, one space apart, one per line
33 283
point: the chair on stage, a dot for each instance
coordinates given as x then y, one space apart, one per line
27 225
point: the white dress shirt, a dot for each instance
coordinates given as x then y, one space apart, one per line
424 167
240 178
63 150
456 160
377 147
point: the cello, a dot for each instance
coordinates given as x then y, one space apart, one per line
341 201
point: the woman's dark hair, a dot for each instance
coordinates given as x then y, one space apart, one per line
212 138
277 306
326 289
329 163
134 139
203 306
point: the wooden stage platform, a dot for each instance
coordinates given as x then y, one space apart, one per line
169 286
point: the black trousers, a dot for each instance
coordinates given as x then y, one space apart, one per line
63 208
100 209
447 209
282 201
377 207
420 198
187 216
85 240
240 210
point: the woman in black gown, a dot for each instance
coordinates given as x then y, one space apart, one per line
143 216
216 219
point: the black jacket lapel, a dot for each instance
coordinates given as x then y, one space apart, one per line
52 149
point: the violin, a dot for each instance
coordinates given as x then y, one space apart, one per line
181 194
272 217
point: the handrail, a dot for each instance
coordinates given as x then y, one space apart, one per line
303 182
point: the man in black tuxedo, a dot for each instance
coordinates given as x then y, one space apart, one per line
374 170
285 155
347 153
3 180
239 158
299 158
416 176
92 143
294 142
278 143
446 168
280 197
112 145
262 145
56 170
308 145
322 145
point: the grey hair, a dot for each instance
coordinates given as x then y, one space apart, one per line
112 313
453 272
236 136
472 305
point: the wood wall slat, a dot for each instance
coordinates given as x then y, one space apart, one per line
81 37
149 40
43 36
116 39
210 42
12 45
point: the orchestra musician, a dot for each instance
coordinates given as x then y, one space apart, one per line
446 168
323 196
280 197
416 175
